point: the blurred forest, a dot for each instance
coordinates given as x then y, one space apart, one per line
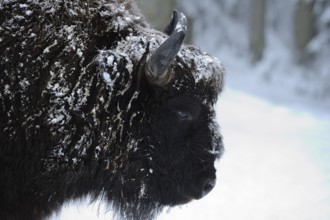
286 43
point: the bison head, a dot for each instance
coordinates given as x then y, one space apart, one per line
172 160
97 102
181 112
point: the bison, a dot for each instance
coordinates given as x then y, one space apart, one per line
94 101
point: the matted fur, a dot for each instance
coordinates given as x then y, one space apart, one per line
78 117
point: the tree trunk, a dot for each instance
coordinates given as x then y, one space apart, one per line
303 24
257 29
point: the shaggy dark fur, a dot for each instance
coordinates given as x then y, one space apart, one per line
77 115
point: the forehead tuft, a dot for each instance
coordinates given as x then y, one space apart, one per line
205 69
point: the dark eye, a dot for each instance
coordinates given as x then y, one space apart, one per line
183 115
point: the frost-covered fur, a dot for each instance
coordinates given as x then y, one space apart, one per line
77 115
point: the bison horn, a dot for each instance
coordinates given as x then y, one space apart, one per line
157 66
174 21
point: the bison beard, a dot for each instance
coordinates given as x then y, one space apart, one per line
93 101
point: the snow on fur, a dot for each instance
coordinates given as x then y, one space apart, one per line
79 116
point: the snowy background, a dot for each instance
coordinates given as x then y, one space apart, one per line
274 115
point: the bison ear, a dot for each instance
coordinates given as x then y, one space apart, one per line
157 66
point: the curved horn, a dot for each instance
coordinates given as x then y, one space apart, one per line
157 66
171 26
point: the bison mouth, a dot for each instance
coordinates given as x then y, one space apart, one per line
199 191
201 185
185 191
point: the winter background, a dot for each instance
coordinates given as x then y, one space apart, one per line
274 113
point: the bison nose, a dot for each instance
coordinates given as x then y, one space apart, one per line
208 186
202 185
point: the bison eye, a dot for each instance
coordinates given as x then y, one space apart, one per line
183 115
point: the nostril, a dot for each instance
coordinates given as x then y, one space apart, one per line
208 186
200 185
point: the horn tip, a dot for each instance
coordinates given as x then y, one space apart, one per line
182 24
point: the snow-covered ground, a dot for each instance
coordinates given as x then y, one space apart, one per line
276 166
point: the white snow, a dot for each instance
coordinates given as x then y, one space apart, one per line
56 119
23 6
47 49
181 26
107 78
19 17
70 31
51 11
79 52
28 12
110 60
